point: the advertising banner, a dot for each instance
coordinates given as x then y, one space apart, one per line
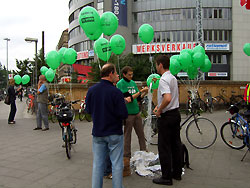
119 8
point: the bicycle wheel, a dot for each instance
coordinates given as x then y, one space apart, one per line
210 106
81 115
202 105
231 134
184 113
74 113
151 132
73 132
88 117
67 144
53 117
201 133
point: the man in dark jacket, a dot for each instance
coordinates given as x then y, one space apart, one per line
106 105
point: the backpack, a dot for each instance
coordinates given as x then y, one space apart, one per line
185 156
246 94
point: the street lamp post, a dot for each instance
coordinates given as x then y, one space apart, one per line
28 39
7 40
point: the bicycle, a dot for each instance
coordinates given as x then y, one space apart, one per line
235 133
201 132
82 112
65 118
223 100
193 95
209 101
56 100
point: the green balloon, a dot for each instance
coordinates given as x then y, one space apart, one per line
103 49
175 66
207 66
155 84
25 79
118 44
43 70
185 60
53 59
89 20
246 49
198 59
109 23
61 52
187 51
146 33
192 72
96 35
18 79
175 57
198 48
49 75
70 56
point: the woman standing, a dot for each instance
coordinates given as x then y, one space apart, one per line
12 94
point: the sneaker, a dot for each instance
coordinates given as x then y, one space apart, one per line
162 181
37 128
45 129
11 122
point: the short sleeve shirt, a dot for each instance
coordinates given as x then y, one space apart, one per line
168 84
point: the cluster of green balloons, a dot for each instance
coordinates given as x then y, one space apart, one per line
49 73
54 59
146 33
93 25
246 49
154 79
24 79
190 61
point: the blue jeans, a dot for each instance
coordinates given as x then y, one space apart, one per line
113 145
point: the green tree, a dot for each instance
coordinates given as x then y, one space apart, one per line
3 75
141 66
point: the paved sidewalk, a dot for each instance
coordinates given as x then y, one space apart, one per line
35 159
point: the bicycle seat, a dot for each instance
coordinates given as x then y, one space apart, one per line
233 109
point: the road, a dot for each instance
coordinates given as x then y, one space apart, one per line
35 159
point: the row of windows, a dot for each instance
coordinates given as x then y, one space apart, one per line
72 2
219 58
188 36
83 46
181 14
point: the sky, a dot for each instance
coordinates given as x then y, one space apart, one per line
28 18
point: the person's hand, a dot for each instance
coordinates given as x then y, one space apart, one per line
157 112
145 89
127 99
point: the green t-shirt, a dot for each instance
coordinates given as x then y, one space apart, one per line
131 87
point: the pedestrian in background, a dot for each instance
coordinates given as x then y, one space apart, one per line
12 98
134 120
42 104
167 111
20 93
106 105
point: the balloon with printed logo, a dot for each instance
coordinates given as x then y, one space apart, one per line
53 59
146 33
109 23
18 79
43 70
49 75
246 48
95 35
118 44
89 20
199 48
25 79
154 79
61 52
103 49
198 59
185 60
175 66
70 56
207 65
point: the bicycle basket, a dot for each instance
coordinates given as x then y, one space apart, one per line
65 115
233 109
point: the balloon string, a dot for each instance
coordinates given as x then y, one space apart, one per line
152 64
119 67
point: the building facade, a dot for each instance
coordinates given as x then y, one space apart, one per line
225 28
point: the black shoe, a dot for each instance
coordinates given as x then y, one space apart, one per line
11 122
45 129
177 178
37 128
162 181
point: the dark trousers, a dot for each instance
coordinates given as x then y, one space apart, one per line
169 144
12 111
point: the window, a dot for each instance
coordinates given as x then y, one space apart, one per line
194 13
178 36
188 36
205 13
214 58
205 35
135 17
184 35
215 35
71 18
220 35
215 13
168 36
219 58
189 13
220 13
225 35
225 13
184 12
163 36
210 37
210 15
224 59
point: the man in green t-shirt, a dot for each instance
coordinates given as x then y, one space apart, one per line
129 88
